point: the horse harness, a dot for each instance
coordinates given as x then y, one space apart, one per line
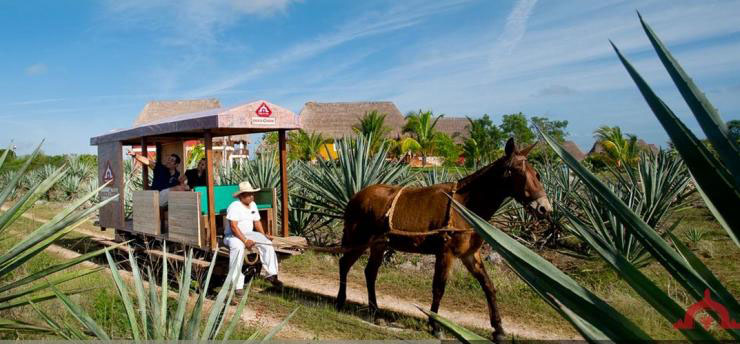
444 231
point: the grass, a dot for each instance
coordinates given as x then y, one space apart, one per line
317 317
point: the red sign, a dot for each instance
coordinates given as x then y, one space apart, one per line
108 175
263 110
707 304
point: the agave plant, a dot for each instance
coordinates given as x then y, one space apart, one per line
330 185
18 288
718 184
435 176
151 318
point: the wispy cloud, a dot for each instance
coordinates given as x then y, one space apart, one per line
36 69
404 15
516 25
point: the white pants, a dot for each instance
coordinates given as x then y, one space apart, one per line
164 197
236 255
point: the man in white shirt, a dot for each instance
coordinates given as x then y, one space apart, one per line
244 229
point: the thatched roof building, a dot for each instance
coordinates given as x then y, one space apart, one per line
335 120
455 127
572 148
159 109
597 148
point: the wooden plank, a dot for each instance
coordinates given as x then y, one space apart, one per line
110 157
184 218
211 200
146 212
284 181
144 168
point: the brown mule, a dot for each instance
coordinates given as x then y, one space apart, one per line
425 209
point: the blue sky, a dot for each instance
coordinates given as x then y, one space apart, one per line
75 69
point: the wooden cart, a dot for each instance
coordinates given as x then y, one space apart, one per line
194 219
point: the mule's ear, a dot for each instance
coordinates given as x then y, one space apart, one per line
526 151
510 147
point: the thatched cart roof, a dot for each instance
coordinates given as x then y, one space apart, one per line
335 120
157 110
162 124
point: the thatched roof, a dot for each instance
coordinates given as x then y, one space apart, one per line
598 148
454 127
335 120
572 148
157 110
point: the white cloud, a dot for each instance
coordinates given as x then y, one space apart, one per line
36 69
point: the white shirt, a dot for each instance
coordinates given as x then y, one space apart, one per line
243 215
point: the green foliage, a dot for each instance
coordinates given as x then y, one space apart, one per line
305 146
421 125
515 125
372 125
447 148
618 149
733 130
556 129
18 288
196 154
483 143
329 185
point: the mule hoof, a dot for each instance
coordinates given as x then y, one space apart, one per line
380 321
498 337
437 333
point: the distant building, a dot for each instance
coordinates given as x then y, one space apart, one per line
572 148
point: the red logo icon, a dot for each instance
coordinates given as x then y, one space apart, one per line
687 323
108 174
263 110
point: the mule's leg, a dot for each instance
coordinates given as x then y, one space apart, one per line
441 271
474 264
345 263
371 273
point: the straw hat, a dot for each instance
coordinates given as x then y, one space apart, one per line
245 187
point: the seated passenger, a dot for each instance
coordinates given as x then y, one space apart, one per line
242 229
197 176
166 177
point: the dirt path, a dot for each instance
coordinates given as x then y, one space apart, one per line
359 295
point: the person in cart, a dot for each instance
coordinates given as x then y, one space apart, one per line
243 229
166 176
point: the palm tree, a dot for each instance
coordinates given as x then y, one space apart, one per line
306 146
421 127
618 149
372 125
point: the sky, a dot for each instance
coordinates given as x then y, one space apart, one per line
76 69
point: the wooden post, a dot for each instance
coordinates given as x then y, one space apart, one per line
211 199
283 182
144 168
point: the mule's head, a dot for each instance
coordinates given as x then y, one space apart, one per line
524 180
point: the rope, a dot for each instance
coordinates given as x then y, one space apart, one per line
447 229
392 209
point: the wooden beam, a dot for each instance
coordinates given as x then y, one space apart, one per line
283 182
211 199
144 168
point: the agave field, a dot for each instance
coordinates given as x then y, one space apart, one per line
623 219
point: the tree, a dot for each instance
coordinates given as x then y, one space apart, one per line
556 129
515 125
618 149
447 148
306 146
372 125
421 127
483 142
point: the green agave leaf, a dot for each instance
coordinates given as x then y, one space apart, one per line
660 301
237 313
15 325
140 293
27 201
546 279
5 154
123 293
279 327
53 325
10 187
710 174
217 307
182 299
67 276
81 315
194 322
165 290
660 250
461 333
55 268
709 120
